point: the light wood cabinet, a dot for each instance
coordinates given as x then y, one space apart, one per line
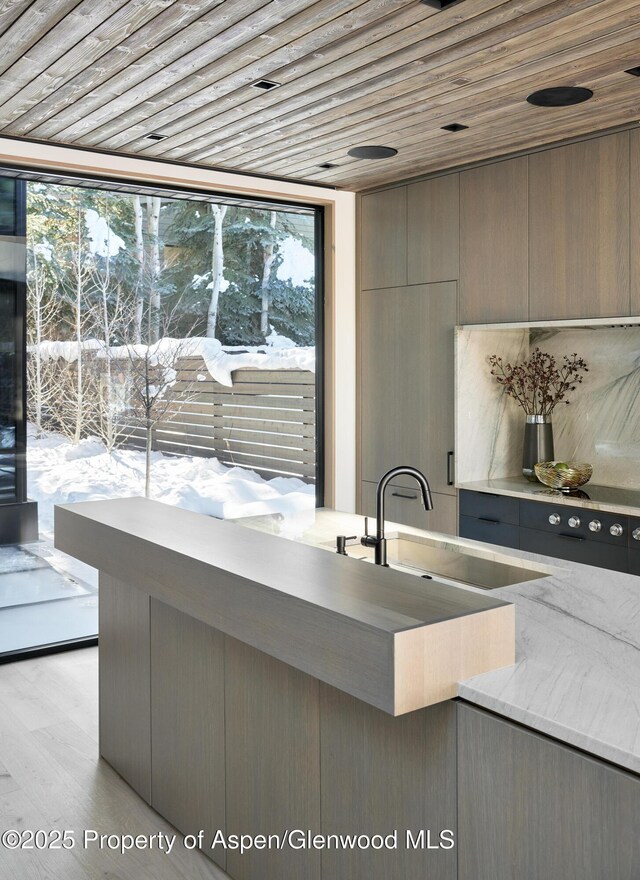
531 808
433 230
125 703
634 220
579 230
383 239
273 761
403 504
493 243
187 724
406 382
381 773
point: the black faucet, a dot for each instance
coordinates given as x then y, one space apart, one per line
379 542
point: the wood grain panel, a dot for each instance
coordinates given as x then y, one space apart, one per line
517 789
380 774
579 230
422 99
187 724
383 244
125 710
273 761
634 221
372 69
433 227
493 243
403 505
406 381
350 72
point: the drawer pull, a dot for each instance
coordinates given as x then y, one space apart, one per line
409 497
450 468
572 537
492 522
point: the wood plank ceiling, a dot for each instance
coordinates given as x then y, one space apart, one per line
107 73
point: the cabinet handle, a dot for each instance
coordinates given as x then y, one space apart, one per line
409 497
450 468
491 522
571 537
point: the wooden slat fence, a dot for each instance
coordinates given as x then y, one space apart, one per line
265 422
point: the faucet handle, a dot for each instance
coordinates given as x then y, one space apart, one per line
368 540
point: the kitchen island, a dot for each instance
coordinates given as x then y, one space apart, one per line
261 687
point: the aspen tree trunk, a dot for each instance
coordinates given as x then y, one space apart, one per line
153 222
139 254
217 267
78 330
268 257
37 352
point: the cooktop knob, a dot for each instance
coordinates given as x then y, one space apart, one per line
574 522
554 519
636 534
595 525
616 530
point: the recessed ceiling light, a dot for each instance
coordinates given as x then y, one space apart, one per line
455 126
634 71
265 84
372 152
439 4
154 136
559 96
327 165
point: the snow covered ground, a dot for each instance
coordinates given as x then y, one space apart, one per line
59 473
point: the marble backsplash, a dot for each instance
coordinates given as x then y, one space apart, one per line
601 425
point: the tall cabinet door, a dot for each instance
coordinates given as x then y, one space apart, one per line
579 230
407 381
493 243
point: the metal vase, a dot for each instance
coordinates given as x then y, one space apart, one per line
538 444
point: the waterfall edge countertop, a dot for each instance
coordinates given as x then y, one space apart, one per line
388 638
577 671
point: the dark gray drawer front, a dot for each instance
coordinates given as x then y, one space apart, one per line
484 505
634 561
575 549
504 534
634 524
535 515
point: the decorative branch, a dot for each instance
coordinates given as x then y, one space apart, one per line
538 384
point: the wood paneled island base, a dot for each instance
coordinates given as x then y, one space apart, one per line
235 741
253 686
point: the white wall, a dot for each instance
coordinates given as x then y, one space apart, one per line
339 240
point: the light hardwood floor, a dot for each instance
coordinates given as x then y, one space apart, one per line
52 778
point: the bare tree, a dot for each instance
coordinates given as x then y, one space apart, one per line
217 267
151 373
42 320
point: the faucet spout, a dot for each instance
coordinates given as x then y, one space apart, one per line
380 542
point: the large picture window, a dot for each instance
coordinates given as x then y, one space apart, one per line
173 347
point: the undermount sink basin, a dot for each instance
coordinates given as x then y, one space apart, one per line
445 562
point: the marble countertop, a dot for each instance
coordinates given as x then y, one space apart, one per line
577 671
605 498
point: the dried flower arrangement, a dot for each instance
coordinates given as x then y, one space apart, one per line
539 384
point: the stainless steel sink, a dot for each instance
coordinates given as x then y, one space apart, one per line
444 561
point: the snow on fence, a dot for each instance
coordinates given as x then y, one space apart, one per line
265 421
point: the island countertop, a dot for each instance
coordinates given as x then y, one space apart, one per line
386 637
577 670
